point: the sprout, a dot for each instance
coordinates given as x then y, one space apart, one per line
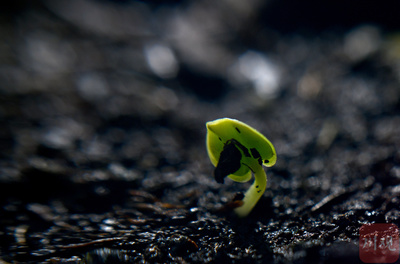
237 150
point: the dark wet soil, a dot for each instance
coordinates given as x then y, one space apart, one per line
103 107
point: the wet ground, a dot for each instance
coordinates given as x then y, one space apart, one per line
103 107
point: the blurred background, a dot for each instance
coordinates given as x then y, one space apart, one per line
100 99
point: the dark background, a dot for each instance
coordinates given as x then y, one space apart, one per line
103 107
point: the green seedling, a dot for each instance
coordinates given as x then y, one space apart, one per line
238 150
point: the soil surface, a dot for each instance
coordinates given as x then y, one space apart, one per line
103 106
